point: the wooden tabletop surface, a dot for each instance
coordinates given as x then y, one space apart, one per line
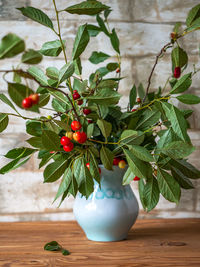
160 242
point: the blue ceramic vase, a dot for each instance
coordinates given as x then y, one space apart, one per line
109 212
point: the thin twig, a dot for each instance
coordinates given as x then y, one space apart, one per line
163 50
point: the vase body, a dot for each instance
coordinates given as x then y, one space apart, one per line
110 211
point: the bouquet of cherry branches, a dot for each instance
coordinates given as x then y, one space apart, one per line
87 129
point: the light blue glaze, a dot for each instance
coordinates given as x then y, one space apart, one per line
109 212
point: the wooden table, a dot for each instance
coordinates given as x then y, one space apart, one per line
150 243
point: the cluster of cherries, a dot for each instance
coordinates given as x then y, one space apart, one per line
28 102
78 136
76 96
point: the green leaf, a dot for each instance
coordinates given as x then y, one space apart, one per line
179 57
141 91
34 128
11 45
13 165
98 57
50 141
38 74
112 66
93 30
18 92
59 106
131 137
141 153
61 98
105 97
8 102
138 167
18 153
65 252
66 71
189 99
90 130
128 177
168 186
114 41
178 122
73 188
36 15
186 168
63 125
105 127
3 121
46 159
52 246
141 192
53 73
94 167
83 177
193 14
52 48
81 41
132 97
177 149
148 119
107 84
31 57
87 8
102 25
177 27
44 100
151 193
55 170
182 84
35 142
65 183
106 157
183 181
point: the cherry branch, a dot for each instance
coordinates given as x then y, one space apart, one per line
20 71
162 51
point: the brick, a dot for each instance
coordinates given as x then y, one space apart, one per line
25 192
162 11
8 9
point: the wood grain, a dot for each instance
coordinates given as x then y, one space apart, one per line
160 242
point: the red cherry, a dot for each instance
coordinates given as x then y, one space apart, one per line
136 178
69 147
139 100
27 102
116 161
83 138
65 141
87 111
117 70
35 98
75 91
76 125
177 72
76 96
52 152
80 102
134 109
90 121
88 165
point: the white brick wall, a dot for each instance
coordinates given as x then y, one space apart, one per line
143 27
